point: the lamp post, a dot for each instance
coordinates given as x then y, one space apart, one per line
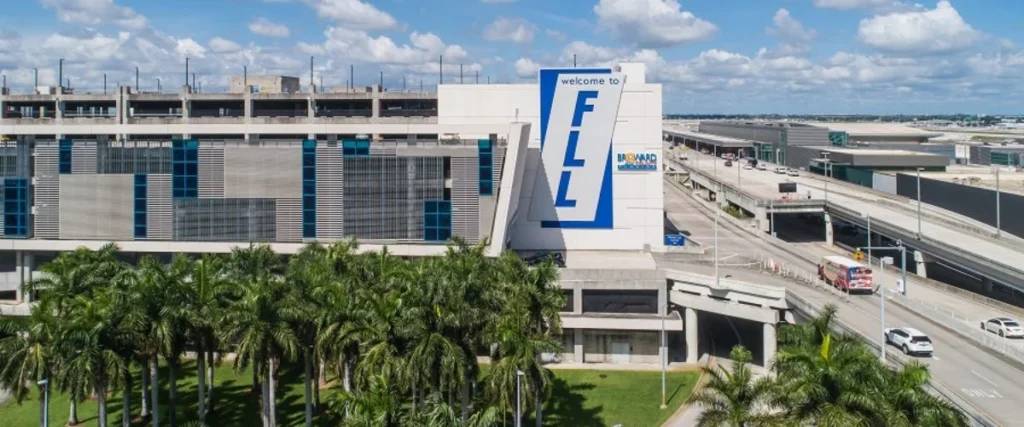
664 355
919 203
881 292
519 396
46 402
999 227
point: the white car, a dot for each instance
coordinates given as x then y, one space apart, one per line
747 167
780 170
910 340
792 172
1004 327
761 167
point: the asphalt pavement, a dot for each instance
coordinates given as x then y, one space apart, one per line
990 384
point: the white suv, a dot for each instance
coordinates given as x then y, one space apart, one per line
910 340
1004 326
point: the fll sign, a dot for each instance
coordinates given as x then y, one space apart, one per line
578 110
637 161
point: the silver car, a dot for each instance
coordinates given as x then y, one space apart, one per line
1004 327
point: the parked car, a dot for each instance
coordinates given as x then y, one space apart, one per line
1004 327
728 163
761 167
780 170
747 167
910 340
792 172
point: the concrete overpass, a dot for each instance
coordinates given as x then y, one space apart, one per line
757 192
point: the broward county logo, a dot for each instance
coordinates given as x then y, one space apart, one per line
637 161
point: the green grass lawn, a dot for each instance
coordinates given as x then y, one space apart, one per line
604 398
579 398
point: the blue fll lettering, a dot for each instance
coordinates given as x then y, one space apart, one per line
570 161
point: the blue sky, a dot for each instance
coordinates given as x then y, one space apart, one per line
724 56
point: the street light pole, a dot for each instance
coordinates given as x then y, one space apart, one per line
919 203
881 293
999 227
46 401
519 392
664 356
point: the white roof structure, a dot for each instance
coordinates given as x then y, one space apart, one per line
890 130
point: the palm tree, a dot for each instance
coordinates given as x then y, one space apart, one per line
309 270
203 305
733 397
172 326
834 384
379 405
90 344
258 323
438 413
910 404
27 353
149 296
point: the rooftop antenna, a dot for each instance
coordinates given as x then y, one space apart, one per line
574 60
36 87
477 76
421 85
245 77
60 76
193 80
381 81
104 83
488 79
461 81
352 76
136 79
440 69
159 88
186 74
321 83
311 81
403 83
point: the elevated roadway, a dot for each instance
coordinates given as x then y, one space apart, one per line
983 381
757 192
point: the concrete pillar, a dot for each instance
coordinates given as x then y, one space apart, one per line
986 285
922 268
789 317
690 325
577 300
829 231
577 344
19 268
376 102
30 266
663 300
59 109
770 343
763 221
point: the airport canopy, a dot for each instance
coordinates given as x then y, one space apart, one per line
707 138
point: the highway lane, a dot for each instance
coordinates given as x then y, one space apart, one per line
990 384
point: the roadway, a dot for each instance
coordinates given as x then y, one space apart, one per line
764 185
989 383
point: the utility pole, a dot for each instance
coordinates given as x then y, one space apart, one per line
881 292
104 83
999 226
918 203
136 79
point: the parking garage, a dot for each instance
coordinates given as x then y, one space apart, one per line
708 143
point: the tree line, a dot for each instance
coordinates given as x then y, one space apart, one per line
399 338
820 378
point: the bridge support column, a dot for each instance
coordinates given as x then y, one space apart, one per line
577 345
922 268
763 221
986 285
770 343
690 326
19 267
829 231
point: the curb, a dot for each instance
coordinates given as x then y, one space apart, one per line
672 420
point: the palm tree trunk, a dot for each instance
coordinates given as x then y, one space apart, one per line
145 391
318 371
414 397
154 369
73 415
307 381
126 401
272 386
464 389
210 357
264 403
540 405
101 403
201 375
172 400
347 377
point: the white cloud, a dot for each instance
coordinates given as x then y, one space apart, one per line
788 29
513 30
653 23
358 46
310 48
555 34
939 30
95 12
189 48
354 14
881 5
220 45
526 68
590 54
263 27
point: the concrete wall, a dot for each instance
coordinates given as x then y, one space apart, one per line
599 346
97 207
973 202
262 172
637 196
884 182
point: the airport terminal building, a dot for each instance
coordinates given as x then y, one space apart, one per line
571 163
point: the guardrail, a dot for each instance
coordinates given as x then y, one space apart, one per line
935 387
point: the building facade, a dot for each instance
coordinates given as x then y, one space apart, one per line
772 139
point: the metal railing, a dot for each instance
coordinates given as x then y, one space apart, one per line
408 112
350 112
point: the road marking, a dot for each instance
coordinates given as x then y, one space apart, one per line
986 393
986 379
